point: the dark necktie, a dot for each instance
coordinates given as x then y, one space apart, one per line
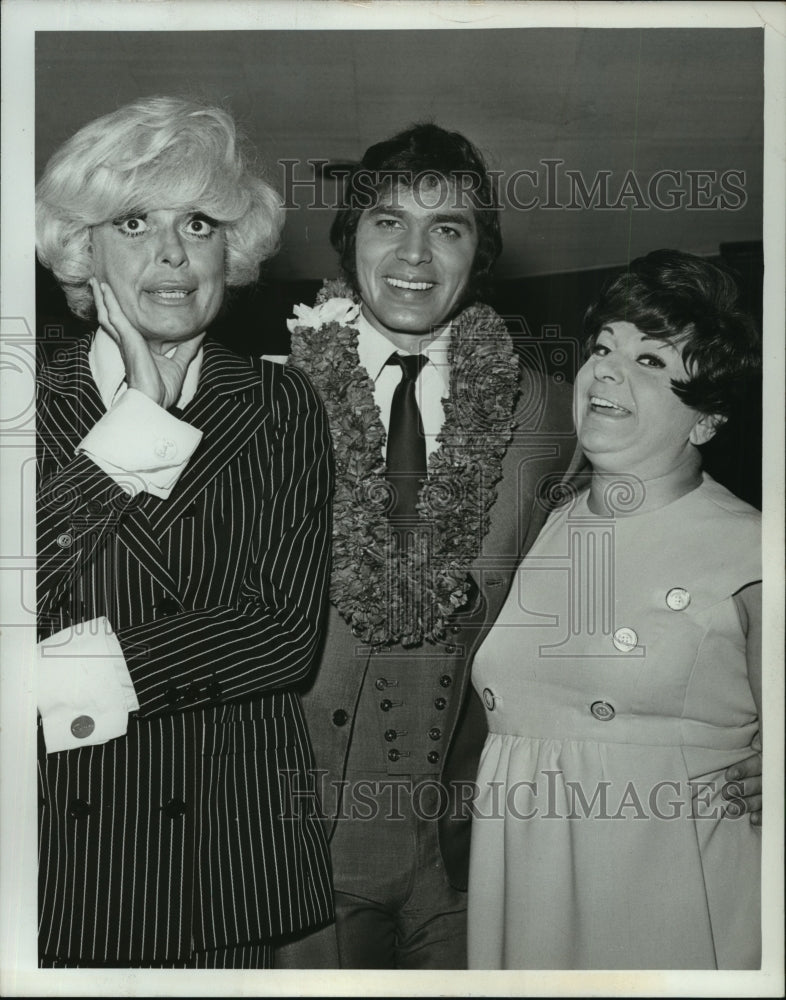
406 450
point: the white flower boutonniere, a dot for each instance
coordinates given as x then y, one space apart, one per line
341 311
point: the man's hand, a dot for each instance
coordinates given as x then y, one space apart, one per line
157 376
744 789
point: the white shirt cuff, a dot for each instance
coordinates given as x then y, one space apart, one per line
84 690
140 445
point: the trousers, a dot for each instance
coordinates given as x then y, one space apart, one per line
395 908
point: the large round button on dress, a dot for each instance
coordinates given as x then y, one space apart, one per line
340 717
625 639
677 599
603 711
488 699
82 727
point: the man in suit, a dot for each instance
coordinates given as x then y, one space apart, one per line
396 726
183 547
421 571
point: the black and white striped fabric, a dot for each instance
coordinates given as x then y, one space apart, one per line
199 829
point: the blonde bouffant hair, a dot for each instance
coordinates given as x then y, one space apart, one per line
159 152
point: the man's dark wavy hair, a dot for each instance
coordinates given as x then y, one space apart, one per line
694 304
407 158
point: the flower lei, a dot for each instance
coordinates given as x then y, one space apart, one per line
387 595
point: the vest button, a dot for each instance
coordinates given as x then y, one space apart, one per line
340 717
440 703
445 681
393 755
390 735
432 756
386 704
380 683
434 733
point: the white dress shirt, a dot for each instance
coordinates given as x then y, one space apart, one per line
84 690
431 387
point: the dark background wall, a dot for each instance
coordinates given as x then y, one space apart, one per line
595 102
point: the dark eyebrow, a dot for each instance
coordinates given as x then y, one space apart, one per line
436 218
644 336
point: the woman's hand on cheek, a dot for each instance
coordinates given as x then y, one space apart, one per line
157 376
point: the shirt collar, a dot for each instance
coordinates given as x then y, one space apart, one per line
109 372
374 349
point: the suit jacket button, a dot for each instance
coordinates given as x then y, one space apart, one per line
432 756
78 808
65 540
214 691
172 695
340 717
445 681
174 808
440 703
167 606
82 727
192 692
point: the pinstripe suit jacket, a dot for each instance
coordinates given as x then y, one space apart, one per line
197 830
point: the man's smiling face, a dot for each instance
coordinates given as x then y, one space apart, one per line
414 254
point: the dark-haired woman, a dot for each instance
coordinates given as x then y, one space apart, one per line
623 674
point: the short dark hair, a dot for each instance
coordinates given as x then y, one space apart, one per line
421 151
692 303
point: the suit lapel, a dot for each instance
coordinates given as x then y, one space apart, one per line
228 416
221 409
69 403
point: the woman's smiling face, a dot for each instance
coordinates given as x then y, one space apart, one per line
166 268
628 418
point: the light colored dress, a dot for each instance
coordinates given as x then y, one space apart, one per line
615 685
